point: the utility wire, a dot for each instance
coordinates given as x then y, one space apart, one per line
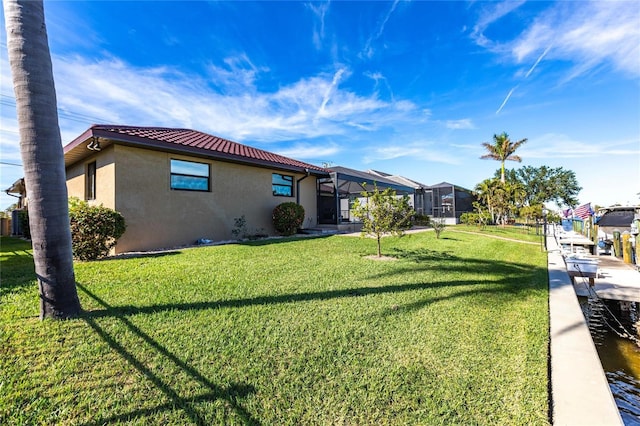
10 101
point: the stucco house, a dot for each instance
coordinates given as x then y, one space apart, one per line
176 186
13 226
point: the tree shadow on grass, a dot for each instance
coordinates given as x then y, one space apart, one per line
473 288
282 239
142 255
504 277
18 269
438 261
473 271
232 394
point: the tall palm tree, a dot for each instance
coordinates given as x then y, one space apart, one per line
42 157
502 150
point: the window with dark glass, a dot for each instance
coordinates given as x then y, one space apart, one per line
189 175
282 185
90 190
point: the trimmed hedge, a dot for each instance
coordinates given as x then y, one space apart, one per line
94 229
288 217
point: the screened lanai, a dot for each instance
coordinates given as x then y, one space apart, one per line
447 201
337 193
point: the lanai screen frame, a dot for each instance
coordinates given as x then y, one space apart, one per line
349 185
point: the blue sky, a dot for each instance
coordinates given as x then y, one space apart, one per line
408 88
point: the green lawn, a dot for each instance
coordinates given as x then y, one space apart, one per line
291 331
520 232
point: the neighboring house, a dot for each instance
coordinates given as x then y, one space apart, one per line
448 201
337 193
176 186
420 193
443 200
14 226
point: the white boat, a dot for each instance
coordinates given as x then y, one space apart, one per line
582 266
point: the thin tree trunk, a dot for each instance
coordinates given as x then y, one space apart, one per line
42 157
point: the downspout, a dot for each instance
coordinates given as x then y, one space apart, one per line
298 185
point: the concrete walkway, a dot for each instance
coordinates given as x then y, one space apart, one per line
580 392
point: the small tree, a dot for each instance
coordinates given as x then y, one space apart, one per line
438 225
288 217
383 212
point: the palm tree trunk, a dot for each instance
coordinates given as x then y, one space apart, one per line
42 157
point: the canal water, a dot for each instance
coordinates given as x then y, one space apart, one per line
615 329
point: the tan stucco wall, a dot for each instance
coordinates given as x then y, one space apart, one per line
105 178
136 182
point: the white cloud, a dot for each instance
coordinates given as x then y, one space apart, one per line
311 151
419 150
320 10
588 33
109 90
489 15
316 108
553 145
368 50
464 123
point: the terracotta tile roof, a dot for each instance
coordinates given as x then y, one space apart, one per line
192 141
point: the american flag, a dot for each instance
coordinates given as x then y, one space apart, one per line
584 211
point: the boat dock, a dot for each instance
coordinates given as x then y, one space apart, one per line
579 388
615 280
580 393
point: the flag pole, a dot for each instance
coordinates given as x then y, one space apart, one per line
573 226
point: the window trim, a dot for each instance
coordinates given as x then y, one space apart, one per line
197 177
280 185
90 182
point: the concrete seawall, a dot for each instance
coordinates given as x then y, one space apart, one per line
580 392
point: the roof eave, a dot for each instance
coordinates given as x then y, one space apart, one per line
107 138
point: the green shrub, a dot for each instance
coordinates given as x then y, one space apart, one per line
475 218
288 217
422 220
94 229
469 218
